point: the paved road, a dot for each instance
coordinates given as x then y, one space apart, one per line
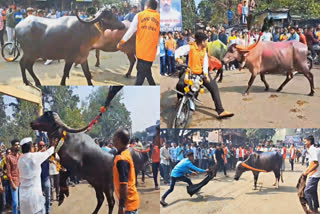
225 195
290 108
82 200
111 71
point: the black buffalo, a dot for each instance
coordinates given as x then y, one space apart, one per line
268 161
140 161
80 156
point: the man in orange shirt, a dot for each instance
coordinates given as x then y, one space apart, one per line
240 11
156 158
198 63
302 36
292 155
171 45
124 176
147 26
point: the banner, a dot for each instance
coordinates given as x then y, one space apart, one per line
170 15
84 0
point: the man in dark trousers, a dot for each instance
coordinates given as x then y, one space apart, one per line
219 158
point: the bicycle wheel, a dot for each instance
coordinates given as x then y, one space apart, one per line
10 52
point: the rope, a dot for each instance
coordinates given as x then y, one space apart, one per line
251 168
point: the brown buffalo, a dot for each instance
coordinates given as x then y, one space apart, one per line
272 57
108 43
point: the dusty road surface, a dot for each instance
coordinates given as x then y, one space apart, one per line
113 67
224 195
290 108
82 200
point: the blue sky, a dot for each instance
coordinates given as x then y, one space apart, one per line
142 101
197 2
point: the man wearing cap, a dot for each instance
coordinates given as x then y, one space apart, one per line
31 197
29 11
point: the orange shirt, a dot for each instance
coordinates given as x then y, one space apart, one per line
133 200
148 35
196 58
171 44
303 39
284 152
155 154
240 152
292 153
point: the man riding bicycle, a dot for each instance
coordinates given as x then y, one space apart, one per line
198 63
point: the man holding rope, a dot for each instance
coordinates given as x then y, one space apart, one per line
179 174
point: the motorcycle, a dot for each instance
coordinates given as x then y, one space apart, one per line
186 105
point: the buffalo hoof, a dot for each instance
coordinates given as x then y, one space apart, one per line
245 94
279 89
27 82
61 199
219 81
254 188
311 94
128 76
266 89
274 184
97 64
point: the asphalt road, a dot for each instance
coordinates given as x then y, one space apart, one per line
224 195
290 108
113 67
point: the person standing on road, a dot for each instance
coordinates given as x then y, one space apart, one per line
10 23
1 30
124 175
219 158
13 174
179 174
31 195
171 45
45 179
165 161
304 153
284 155
292 156
155 163
311 190
147 26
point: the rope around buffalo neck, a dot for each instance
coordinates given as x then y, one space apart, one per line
61 142
98 26
251 168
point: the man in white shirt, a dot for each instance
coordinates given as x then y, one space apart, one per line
267 36
165 162
29 165
311 190
237 153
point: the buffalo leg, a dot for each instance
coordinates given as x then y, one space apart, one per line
98 58
136 178
23 71
309 76
263 79
289 77
66 72
219 73
143 178
64 191
253 76
109 195
277 176
86 71
29 66
255 175
132 60
100 199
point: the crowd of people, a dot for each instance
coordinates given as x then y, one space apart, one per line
171 41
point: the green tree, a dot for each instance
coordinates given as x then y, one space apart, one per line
141 135
117 116
259 135
188 13
205 11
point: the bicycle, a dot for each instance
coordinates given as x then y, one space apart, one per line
11 51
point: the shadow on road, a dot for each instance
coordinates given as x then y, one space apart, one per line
201 198
273 190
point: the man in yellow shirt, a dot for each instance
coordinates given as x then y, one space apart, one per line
147 26
124 176
171 45
198 63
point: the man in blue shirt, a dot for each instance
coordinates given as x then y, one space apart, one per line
223 36
132 14
276 35
18 16
178 174
179 152
293 35
230 17
163 67
244 12
173 155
